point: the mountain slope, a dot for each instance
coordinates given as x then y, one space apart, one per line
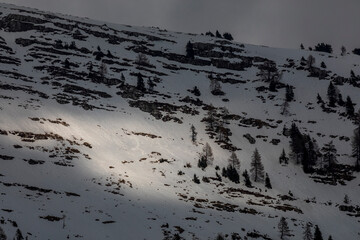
86 154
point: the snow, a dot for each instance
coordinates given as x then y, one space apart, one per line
150 192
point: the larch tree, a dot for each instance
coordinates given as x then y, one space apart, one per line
307 235
329 155
206 157
284 229
234 161
310 61
257 168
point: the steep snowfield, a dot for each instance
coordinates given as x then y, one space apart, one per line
99 175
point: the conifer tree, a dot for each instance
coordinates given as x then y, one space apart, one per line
267 182
307 235
289 96
318 234
257 168
190 50
349 107
18 235
193 134
140 82
228 36
283 159
247 179
2 234
196 179
346 199
217 34
340 100
323 65
196 91
283 228
343 51
332 93
355 144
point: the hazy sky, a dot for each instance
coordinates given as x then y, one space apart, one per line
279 23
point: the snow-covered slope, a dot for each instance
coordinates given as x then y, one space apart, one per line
89 156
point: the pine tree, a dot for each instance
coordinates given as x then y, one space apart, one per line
2 234
330 238
217 34
307 235
257 168
319 99
67 64
18 235
343 51
267 182
301 46
329 155
289 96
219 237
349 107
340 100
355 144
196 91
190 50
283 228
193 134
228 36
234 161
231 173
317 234
122 78
332 93
323 65
140 85
346 199
196 179
247 179
283 159
285 108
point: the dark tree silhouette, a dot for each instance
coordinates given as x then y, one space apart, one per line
257 168
283 228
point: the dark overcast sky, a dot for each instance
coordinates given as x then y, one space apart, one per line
279 23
